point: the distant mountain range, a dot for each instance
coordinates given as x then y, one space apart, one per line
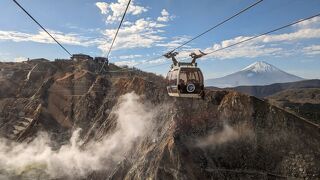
267 90
258 73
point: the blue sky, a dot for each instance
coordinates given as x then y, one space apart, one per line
154 27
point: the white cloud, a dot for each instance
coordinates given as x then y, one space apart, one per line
42 37
130 56
250 51
268 45
165 16
20 59
298 35
275 45
127 23
132 63
312 50
156 61
164 12
175 42
163 19
309 23
140 33
16 59
143 33
114 11
126 63
103 7
247 50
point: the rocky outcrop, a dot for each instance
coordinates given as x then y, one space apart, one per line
227 135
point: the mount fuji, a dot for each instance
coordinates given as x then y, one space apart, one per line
258 73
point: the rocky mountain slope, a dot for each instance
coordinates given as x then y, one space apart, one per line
131 129
304 101
258 73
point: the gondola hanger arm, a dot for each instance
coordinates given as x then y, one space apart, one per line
172 55
195 55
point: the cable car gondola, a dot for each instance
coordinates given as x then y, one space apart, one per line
185 79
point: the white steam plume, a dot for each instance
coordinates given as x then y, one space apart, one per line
134 121
227 134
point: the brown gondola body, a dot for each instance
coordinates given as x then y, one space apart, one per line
184 79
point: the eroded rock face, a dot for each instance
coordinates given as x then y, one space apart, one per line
227 135
235 137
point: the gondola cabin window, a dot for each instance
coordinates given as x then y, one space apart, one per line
191 75
173 78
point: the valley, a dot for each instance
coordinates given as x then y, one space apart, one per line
131 128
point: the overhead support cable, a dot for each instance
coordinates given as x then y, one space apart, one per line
43 28
217 25
115 36
208 30
248 39
265 33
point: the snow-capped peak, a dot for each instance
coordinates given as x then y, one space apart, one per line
259 67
